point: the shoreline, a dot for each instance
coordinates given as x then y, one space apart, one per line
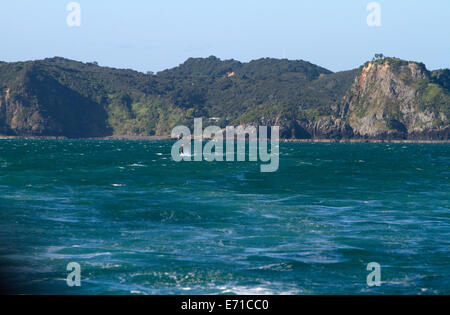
167 138
361 141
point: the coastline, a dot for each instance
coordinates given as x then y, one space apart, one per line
362 141
166 138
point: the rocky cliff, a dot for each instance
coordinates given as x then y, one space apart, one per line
389 99
395 99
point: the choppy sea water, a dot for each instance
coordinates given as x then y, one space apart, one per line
139 223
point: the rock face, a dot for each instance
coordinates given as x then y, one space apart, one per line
394 99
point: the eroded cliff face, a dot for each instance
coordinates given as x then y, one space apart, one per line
394 99
18 116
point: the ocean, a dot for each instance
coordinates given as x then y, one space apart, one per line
137 222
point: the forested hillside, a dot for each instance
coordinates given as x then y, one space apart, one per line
60 97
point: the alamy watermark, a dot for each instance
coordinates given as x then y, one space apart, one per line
374 278
257 138
74 277
374 17
74 17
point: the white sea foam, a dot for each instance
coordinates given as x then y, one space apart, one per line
77 256
244 290
65 220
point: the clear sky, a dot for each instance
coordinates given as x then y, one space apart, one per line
149 35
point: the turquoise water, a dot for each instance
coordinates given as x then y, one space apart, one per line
137 222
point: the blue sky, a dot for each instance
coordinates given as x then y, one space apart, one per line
149 35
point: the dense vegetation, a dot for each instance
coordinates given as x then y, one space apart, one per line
60 97
77 99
